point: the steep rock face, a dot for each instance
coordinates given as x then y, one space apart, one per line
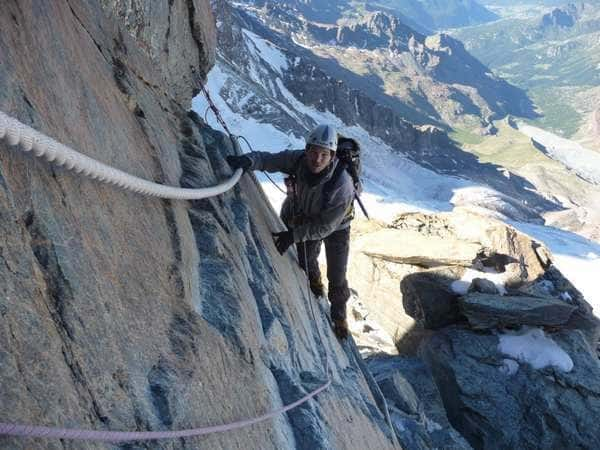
179 35
321 10
315 87
417 409
123 312
431 70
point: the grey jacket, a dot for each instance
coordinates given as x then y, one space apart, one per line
321 216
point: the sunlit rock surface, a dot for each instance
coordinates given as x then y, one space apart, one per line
123 312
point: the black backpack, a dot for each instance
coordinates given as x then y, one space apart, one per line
348 152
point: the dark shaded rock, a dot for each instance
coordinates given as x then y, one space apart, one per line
553 283
484 311
429 299
533 409
490 259
484 286
415 403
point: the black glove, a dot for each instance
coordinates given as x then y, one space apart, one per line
283 240
239 162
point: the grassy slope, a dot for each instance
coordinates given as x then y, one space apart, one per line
557 71
511 149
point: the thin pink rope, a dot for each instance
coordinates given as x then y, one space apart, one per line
121 436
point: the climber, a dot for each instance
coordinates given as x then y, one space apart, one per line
318 208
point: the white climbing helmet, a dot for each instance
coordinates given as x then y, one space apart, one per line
323 136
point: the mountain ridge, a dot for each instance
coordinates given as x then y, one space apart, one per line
305 79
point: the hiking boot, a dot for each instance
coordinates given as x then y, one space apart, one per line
340 328
316 286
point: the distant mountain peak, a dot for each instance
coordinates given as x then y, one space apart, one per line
376 29
564 17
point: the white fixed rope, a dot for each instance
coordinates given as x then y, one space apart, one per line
17 133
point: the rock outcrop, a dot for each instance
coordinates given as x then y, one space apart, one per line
416 406
179 36
488 311
122 312
405 273
506 360
560 17
493 407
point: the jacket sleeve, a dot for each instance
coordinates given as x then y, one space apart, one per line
285 161
322 225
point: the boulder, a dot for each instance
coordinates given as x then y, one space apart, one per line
410 247
553 284
403 273
427 297
484 286
377 283
485 311
415 403
495 408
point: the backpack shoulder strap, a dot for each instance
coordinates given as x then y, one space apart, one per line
329 184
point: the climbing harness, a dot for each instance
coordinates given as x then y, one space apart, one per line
17 133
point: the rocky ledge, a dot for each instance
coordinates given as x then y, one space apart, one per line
494 347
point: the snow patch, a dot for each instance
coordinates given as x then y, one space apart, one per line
530 345
509 367
566 297
462 286
268 52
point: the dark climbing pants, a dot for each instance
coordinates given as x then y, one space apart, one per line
337 247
